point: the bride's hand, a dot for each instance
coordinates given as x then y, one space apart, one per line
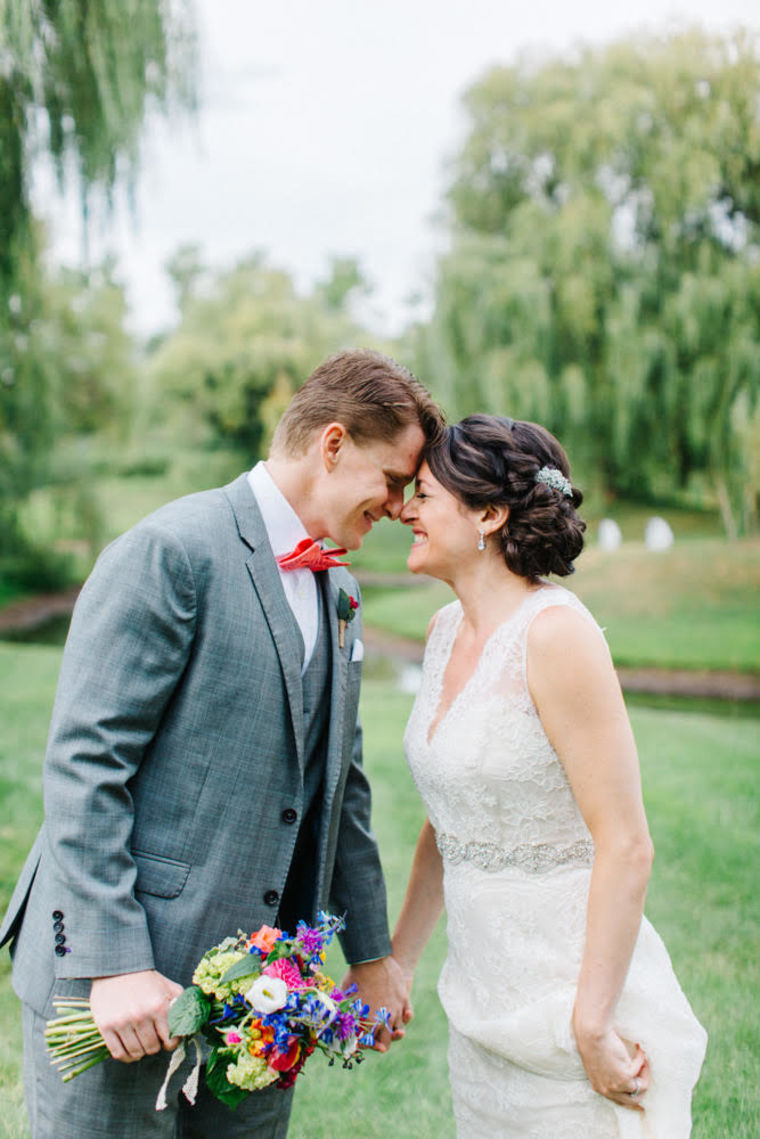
408 1010
615 1068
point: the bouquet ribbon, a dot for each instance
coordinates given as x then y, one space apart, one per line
190 1086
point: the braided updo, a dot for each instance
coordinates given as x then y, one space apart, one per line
488 460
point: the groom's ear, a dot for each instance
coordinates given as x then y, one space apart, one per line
331 442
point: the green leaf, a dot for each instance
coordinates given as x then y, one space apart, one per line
248 966
216 1078
344 605
189 1012
280 949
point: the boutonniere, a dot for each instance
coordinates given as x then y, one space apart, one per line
347 606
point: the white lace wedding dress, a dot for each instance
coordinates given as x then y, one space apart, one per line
517 862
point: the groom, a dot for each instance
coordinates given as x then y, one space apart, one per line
203 772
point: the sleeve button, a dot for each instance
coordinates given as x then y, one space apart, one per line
57 915
60 939
60 951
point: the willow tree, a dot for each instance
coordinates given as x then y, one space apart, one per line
247 340
604 273
77 79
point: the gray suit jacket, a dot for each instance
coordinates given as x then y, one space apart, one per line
175 760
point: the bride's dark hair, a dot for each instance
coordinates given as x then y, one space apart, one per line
489 460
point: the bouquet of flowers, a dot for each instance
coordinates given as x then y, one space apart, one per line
262 1003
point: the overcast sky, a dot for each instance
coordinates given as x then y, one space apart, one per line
325 128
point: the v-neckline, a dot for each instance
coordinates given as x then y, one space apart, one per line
440 715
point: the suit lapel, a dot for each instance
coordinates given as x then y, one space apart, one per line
339 658
266 581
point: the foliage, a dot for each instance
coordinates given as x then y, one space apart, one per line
346 280
77 79
247 340
604 276
67 372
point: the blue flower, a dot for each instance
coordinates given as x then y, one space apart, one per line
382 1016
329 925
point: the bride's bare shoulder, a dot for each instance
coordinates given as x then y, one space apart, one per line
563 638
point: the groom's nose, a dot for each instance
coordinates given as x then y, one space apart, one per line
394 503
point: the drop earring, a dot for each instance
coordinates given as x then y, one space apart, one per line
482 541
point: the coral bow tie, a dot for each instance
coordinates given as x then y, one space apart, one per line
308 555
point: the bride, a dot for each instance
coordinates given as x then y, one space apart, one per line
565 1017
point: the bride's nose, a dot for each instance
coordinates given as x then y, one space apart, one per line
407 511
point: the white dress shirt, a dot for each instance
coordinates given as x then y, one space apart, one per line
285 530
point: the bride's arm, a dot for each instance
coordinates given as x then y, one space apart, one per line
422 905
577 694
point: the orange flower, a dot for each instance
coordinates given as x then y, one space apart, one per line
259 1035
264 938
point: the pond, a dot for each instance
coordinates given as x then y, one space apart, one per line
50 632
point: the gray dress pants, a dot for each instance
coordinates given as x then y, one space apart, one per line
117 1101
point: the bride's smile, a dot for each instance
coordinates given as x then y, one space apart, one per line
444 531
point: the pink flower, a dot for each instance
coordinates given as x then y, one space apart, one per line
264 938
233 1038
287 972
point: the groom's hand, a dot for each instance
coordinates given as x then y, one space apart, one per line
382 985
131 1010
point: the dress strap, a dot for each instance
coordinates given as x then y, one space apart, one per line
547 597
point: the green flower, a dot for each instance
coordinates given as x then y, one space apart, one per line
251 1073
210 970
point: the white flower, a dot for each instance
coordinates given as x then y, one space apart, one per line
267 994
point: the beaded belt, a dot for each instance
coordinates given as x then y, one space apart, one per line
535 857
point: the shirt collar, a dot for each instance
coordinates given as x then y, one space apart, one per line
283 526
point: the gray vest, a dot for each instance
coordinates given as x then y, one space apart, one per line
298 898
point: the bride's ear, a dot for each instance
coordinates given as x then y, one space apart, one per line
493 518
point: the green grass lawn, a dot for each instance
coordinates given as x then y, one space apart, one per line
696 605
700 777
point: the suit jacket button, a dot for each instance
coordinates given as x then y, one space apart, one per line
57 915
60 951
271 897
60 939
289 815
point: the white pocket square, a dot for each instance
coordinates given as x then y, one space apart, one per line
357 650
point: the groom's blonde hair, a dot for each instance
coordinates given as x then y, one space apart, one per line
370 394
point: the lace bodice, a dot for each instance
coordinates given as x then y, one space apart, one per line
495 789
